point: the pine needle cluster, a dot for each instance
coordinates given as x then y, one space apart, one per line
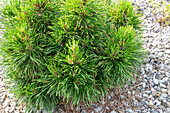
69 50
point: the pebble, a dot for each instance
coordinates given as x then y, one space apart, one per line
156 81
164 95
113 112
166 104
98 109
162 85
164 90
161 98
147 92
145 95
165 79
167 51
156 102
129 110
160 54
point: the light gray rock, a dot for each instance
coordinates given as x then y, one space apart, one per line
162 85
168 87
147 92
164 90
164 95
154 92
160 81
166 105
156 81
161 98
167 51
12 109
113 112
129 110
169 93
165 79
145 95
160 54
7 109
98 109
144 85
151 83
156 102
83 111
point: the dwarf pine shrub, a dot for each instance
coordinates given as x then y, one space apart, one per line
122 13
69 50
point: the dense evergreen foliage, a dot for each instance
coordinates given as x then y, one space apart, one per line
69 50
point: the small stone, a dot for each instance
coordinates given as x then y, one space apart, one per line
154 112
155 81
159 76
129 92
7 109
144 85
166 73
17 111
107 108
160 81
162 72
160 111
150 102
13 104
156 102
10 95
165 79
166 46
158 95
151 106
145 102
150 96
23 111
161 98
145 95
133 92
122 97
113 112
161 54
12 109
109 97
169 92
6 103
162 85
166 105
129 110
164 90
98 109
2 84
167 51
154 92
168 87
164 95
151 83
4 97
147 92
168 110
164 100
145 76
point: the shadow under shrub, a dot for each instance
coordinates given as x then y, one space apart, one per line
67 50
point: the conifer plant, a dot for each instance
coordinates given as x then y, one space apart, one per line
69 50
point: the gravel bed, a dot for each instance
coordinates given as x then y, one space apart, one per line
154 87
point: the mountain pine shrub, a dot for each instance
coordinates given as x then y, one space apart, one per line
68 50
122 13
